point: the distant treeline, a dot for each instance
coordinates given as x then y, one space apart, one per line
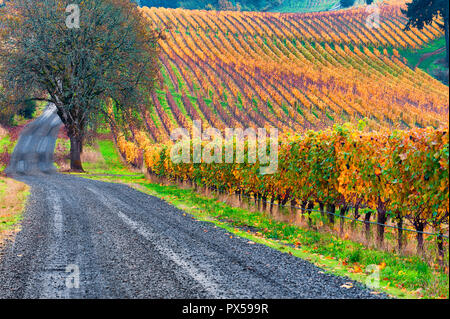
350 3
213 4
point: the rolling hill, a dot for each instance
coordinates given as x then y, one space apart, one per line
291 71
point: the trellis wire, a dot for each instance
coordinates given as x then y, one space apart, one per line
346 217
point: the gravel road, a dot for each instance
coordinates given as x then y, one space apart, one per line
127 244
89 239
34 150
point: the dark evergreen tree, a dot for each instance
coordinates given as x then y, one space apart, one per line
347 3
424 12
159 3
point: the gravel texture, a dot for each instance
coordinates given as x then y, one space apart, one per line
125 244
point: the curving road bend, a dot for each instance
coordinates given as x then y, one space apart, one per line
90 239
34 150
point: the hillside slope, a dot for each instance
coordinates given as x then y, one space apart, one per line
247 5
306 6
430 58
291 71
252 5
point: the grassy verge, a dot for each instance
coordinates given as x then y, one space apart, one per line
6 148
400 276
13 196
429 64
99 158
4 142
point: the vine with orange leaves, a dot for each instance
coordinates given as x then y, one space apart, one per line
396 175
294 72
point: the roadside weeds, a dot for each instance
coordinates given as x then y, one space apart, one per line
13 197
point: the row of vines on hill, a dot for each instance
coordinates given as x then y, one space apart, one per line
290 71
401 175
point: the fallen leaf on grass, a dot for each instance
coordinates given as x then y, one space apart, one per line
418 291
347 285
357 269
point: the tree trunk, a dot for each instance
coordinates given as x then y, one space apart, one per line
400 233
420 226
75 153
381 220
293 206
286 197
303 209
259 204
322 207
367 224
309 209
331 208
303 206
342 212
440 247
356 216
75 130
272 201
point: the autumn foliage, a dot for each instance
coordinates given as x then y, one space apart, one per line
291 71
309 76
401 175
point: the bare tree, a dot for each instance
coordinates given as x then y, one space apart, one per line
45 55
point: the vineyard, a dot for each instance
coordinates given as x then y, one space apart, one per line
399 176
254 149
307 75
294 72
307 5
